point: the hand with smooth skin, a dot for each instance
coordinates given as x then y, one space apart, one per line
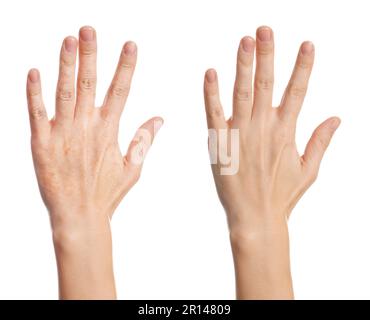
272 176
81 172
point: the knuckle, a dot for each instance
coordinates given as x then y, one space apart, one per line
33 93
296 90
88 50
312 175
242 93
303 64
264 50
67 61
87 83
64 94
119 91
215 113
245 62
126 66
264 83
37 113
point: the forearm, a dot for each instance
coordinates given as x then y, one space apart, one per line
262 264
84 261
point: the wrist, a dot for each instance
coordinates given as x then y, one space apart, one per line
256 226
75 230
255 235
261 258
83 249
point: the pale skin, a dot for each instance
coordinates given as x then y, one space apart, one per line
81 172
272 175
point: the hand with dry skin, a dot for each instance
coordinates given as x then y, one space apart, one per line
271 176
80 170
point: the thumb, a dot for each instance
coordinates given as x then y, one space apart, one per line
319 142
141 142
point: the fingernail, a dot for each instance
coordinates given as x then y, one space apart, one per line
211 75
70 44
157 125
34 75
129 48
334 124
307 48
264 34
247 44
87 34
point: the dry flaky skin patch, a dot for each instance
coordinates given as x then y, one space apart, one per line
80 169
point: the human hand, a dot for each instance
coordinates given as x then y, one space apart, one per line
272 176
80 170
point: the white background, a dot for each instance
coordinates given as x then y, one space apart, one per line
170 234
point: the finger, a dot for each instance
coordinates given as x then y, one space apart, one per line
318 144
86 81
242 104
214 111
264 77
296 90
39 122
141 143
65 95
120 86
